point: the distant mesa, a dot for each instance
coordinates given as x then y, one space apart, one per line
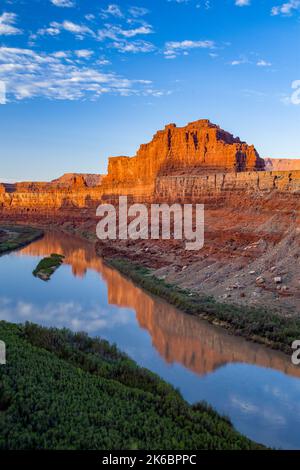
68 180
282 164
73 179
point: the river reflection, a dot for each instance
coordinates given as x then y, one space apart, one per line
177 337
258 388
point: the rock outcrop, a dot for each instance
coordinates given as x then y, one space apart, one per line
196 148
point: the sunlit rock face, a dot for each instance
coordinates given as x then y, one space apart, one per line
198 147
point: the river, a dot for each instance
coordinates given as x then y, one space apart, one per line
256 387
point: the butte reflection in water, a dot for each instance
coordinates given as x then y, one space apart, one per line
178 337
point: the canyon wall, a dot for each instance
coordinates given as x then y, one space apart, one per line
41 199
221 185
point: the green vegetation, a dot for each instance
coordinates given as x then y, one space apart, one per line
48 266
14 237
256 324
61 390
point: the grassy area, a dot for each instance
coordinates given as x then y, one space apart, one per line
47 266
256 324
14 237
61 390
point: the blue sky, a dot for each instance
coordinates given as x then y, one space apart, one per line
87 79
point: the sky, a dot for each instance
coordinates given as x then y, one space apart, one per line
82 80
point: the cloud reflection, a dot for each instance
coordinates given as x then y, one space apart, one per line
72 315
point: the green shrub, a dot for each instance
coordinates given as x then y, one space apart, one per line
61 390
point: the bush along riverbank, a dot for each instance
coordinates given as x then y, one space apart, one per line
47 266
15 237
259 325
61 390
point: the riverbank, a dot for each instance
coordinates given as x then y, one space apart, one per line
259 325
15 237
62 390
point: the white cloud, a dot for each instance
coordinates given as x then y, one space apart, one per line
116 32
242 3
56 28
57 76
263 63
76 28
60 54
84 53
133 46
241 60
72 315
7 22
286 9
90 17
173 48
103 61
110 31
53 30
113 10
138 11
63 3
237 62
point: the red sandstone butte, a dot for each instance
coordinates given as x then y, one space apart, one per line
198 147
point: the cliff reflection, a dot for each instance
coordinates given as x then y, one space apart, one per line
177 337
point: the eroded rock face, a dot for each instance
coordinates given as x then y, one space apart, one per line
198 147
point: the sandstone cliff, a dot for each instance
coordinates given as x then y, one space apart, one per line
196 148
